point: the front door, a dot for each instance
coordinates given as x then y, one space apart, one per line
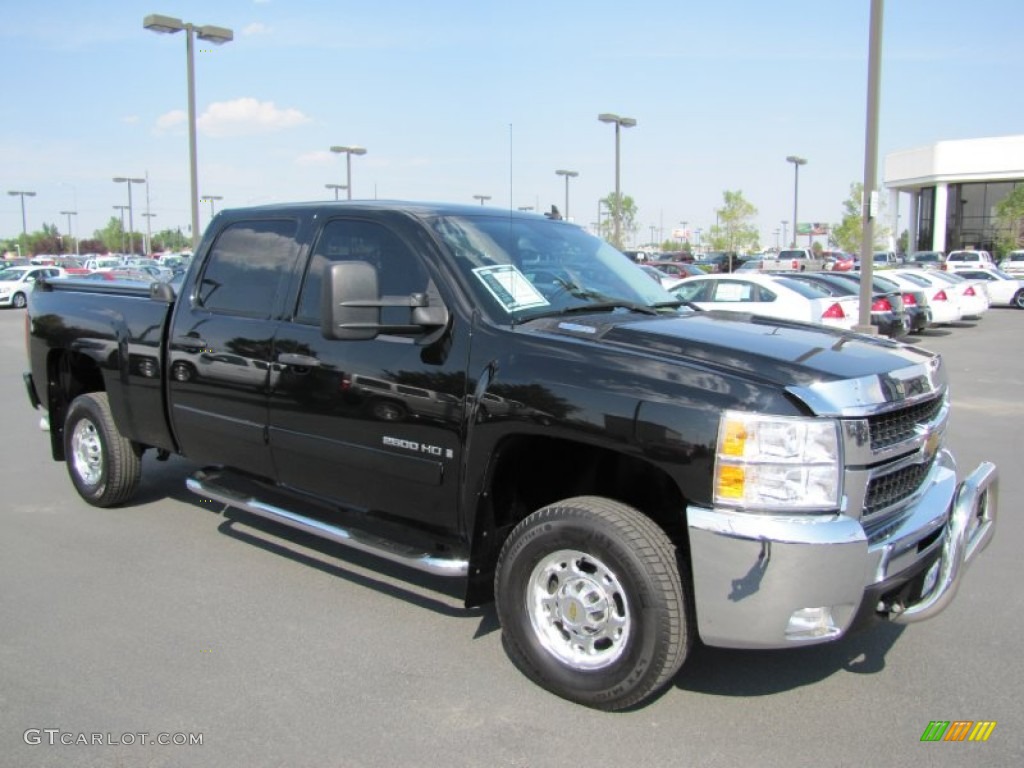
372 426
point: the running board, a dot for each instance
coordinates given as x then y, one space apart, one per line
205 484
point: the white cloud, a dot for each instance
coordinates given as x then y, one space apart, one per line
254 29
246 117
171 121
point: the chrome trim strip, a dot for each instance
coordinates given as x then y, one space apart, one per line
360 540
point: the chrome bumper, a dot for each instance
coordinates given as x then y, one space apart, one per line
766 581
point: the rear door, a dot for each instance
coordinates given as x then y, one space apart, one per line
220 345
372 425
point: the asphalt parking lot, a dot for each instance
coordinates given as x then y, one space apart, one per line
173 617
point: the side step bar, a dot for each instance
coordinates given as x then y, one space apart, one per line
205 484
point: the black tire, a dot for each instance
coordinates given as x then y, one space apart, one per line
591 603
102 463
18 301
1018 300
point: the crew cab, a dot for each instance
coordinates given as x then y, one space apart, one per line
501 398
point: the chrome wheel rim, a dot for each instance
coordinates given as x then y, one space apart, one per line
578 610
87 452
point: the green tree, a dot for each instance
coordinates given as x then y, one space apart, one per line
735 230
627 212
848 234
113 236
1010 220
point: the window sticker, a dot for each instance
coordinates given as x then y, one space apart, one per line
732 292
510 287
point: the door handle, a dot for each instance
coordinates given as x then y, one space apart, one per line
298 361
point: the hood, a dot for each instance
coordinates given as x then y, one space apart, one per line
799 357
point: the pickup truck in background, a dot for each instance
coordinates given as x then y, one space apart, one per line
795 259
500 397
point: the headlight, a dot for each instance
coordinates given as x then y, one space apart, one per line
777 463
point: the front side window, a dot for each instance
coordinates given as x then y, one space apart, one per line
246 266
399 271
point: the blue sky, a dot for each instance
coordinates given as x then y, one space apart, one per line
455 98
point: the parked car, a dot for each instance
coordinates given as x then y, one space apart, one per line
887 312
718 261
886 260
926 260
16 282
840 261
769 295
122 274
1003 289
973 298
915 302
1013 263
944 302
663 279
676 269
957 260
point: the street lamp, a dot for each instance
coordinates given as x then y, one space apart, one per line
482 198
69 214
349 151
336 187
211 34
785 242
210 199
797 162
149 235
122 209
620 122
568 175
24 228
131 221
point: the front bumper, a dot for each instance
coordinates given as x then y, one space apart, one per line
767 581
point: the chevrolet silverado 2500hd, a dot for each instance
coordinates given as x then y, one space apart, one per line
502 398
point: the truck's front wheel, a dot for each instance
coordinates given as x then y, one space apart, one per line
104 467
591 602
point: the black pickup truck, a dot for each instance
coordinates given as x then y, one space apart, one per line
500 397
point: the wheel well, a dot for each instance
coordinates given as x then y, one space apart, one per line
528 473
69 374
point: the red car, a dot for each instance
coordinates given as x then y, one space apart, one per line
840 261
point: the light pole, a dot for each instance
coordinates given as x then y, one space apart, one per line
336 187
23 194
568 175
149 234
797 162
211 34
785 242
69 214
482 198
349 151
210 199
122 209
620 123
131 221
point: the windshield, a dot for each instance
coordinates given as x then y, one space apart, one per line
521 268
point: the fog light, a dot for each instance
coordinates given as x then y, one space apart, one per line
811 624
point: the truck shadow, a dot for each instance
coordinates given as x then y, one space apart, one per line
726 672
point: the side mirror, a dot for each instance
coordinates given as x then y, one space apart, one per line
350 302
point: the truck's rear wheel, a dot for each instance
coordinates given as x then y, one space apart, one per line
104 467
591 602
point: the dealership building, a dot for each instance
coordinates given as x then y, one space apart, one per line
953 188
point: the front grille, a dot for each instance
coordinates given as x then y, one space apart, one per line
897 426
886 490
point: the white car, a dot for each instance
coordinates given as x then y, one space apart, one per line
16 282
1013 263
1003 289
769 295
973 298
957 260
944 304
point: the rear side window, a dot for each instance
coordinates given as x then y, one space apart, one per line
246 266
